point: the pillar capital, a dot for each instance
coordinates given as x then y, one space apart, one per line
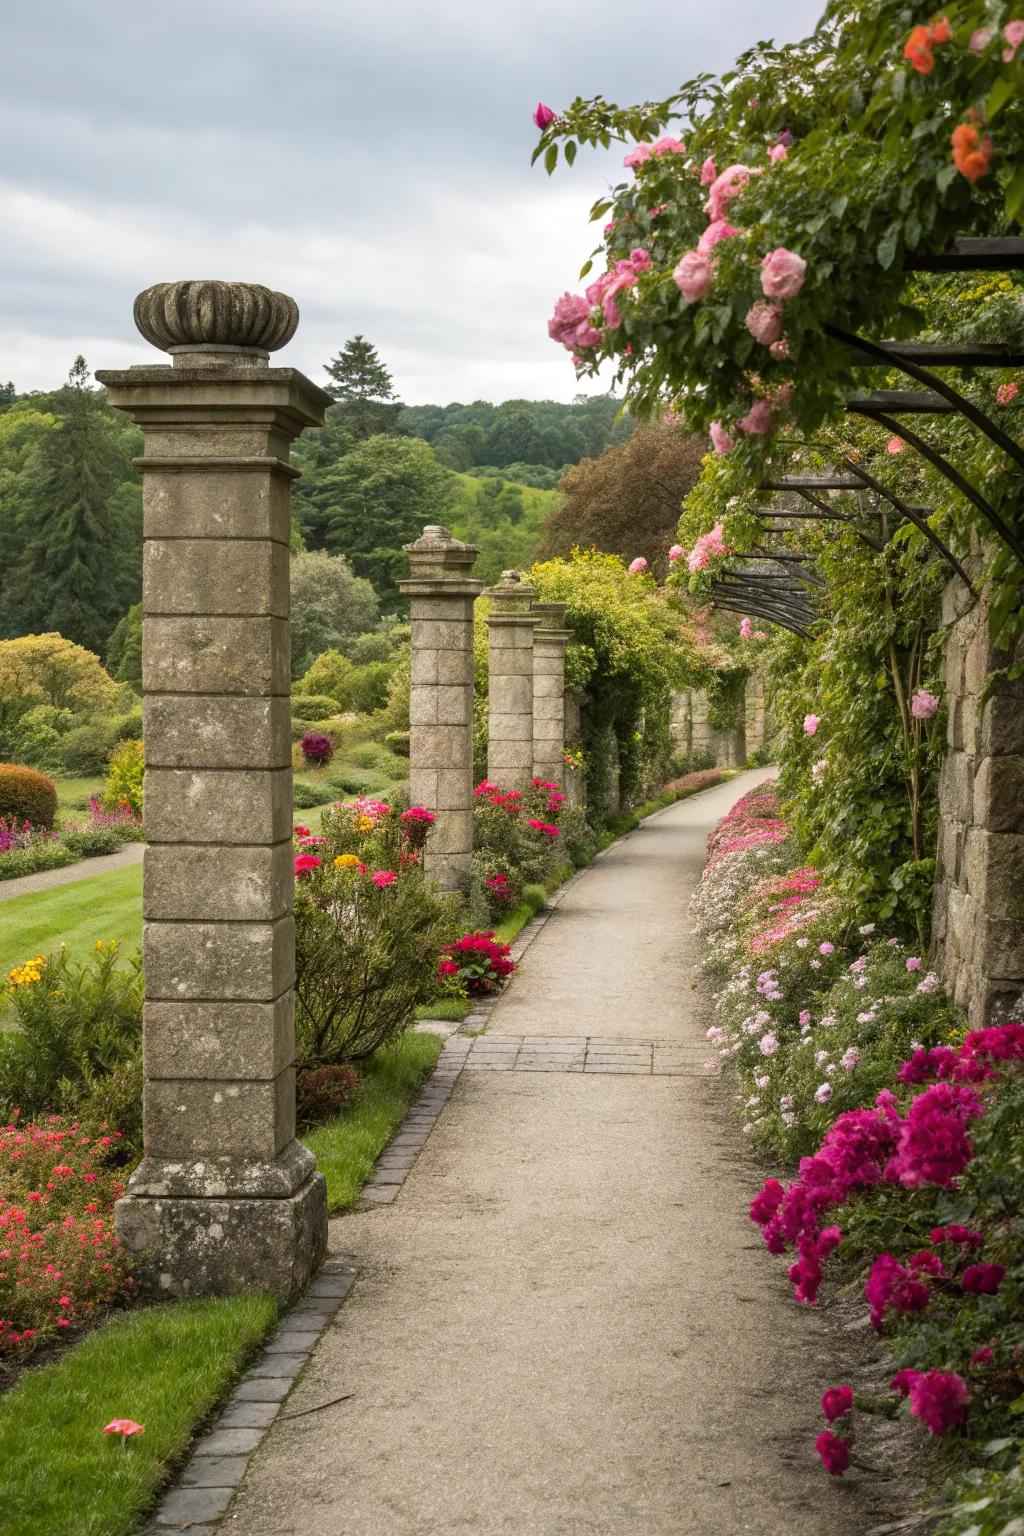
440 565
550 619
511 600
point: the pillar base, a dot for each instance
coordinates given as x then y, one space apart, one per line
186 1247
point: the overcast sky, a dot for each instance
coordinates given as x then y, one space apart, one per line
371 159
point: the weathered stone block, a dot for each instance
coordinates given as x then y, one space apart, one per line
999 794
442 634
207 502
1002 725
456 667
423 706
220 1041
191 731
452 832
193 1118
424 668
215 576
186 881
423 787
453 789
216 655
994 871
211 805
454 705
506 727
235 961
509 663
439 746
1000 952
189 1248
507 758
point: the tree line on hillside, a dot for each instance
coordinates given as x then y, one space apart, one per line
372 477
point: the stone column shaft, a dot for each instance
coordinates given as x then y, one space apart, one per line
510 625
442 594
549 643
225 1199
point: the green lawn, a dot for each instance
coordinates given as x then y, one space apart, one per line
70 794
347 1147
100 907
166 1367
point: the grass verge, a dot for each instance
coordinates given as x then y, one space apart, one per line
452 1009
347 1147
99 907
164 1366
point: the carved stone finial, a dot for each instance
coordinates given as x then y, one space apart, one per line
215 317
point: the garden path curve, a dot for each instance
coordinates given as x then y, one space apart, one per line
68 874
565 1324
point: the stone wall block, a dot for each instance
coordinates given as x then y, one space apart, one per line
224 505
234 961
452 833
210 805
210 731
1002 726
454 705
200 654
220 1041
999 794
455 668
196 1118
215 576
187 881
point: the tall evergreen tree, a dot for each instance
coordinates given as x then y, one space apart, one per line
8 393
78 568
363 389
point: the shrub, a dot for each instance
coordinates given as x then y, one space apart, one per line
367 686
90 842
124 778
37 851
397 742
27 795
323 1092
372 754
115 1098
368 931
314 706
123 821
351 781
328 676
75 1024
317 750
535 897
306 796
85 750
476 964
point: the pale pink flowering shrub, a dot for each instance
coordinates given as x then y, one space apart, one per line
718 229
758 421
782 274
638 566
708 547
746 629
676 552
811 723
720 439
707 172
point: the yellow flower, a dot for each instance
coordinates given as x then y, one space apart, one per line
365 823
100 945
347 861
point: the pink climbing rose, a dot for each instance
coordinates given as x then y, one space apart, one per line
764 322
718 229
637 155
543 116
725 188
979 40
778 152
1013 34
923 705
720 439
780 350
782 274
758 421
668 146
692 276
811 723
637 566
640 259
707 172
1007 392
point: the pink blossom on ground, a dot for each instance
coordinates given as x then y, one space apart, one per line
1007 392
764 322
637 566
895 445
692 276
707 172
718 229
746 629
720 440
923 705
758 421
811 723
782 274
834 1453
543 116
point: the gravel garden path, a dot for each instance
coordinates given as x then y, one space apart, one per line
47 879
565 1325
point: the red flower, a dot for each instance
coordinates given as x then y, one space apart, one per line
834 1453
836 1402
918 49
305 863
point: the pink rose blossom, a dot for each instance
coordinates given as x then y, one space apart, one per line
640 259
726 187
979 40
764 322
1013 33
834 1452
780 350
668 146
719 229
938 1398
692 276
1007 392
758 421
720 439
778 152
983 1279
707 172
746 629
895 445
543 116
383 877
782 274
811 723
637 156
676 552
836 1402
923 705
637 566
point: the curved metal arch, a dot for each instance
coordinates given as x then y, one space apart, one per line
912 515
784 621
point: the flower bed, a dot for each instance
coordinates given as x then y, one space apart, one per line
25 849
907 1132
61 1263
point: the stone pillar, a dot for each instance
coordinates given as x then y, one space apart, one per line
549 642
226 1199
510 623
442 594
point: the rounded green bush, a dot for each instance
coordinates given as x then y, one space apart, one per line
313 706
27 795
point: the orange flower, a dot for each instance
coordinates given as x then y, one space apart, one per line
918 49
940 31
971 153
